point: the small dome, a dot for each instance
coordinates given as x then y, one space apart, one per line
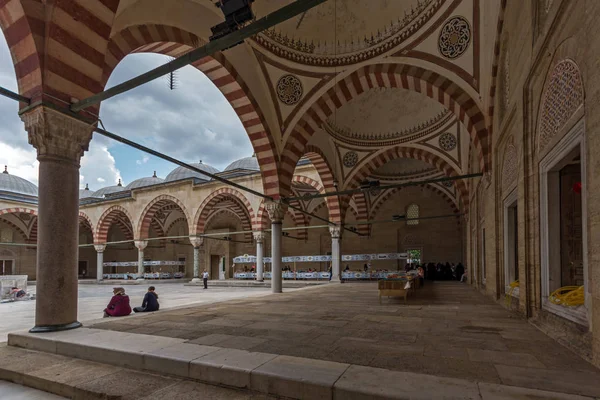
183 173
85 193
14 184
149 181
109 189
248 163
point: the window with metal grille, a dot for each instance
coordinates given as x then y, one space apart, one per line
412 213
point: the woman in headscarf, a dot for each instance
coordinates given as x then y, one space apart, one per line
119 304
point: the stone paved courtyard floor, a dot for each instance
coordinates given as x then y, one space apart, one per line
94 298
447 329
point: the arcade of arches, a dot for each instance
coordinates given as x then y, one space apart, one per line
410 90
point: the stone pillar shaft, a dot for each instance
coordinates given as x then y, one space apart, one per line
99 261
60 141
141 245
336 253
196 243
276 212
260 240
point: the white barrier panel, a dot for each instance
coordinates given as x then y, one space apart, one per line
351 275
349 257
7 282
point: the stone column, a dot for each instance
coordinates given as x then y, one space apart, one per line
196 242
60 141
99 261
141 245
260 241
336 253
276 212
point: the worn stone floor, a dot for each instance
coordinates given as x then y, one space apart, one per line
447 329
10 391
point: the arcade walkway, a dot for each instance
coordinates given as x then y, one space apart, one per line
448 330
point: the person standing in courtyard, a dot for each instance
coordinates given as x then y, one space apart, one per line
150 302
119 304
205 279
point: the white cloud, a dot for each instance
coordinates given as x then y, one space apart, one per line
20 162
144 160
101 180
98 166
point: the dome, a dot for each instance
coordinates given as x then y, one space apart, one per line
109 189
14 184
183 173
85 193
149 181
248 163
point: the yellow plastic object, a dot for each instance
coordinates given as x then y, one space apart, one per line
568 296
512 285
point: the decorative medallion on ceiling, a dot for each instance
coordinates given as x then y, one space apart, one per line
447 141
455 37
350 159
289 89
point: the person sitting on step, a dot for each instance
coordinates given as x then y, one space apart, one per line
150 302
119 304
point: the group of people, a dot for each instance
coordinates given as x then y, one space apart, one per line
119 305
440 272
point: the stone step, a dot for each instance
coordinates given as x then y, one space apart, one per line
168 361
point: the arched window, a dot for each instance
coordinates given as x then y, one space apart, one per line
412 212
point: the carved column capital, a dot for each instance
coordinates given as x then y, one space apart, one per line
259 236
141 244
196 241
100 247
55 134
335 231
276 210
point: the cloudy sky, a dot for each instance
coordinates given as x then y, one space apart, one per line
194 122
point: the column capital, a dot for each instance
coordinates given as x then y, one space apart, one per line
55 134
259 236
100 247
276 210
196 241
141 244
335 231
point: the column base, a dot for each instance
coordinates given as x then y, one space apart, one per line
196 280
335 280
55 328
260 280
140 279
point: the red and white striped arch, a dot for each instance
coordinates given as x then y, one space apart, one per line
31 236
361 212
174 42
430 84
17 228
86 222
237 210
391 192
333 203
242 208
114 215
383 157
157 204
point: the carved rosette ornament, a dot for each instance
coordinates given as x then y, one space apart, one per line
289 89
335 231
455 37
259 236
276 211
54 134
196 241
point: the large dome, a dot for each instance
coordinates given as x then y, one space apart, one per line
149 181
248 163
14 184
109 190
184 173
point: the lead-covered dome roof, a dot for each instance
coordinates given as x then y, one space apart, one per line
85 193
148 181
109 190
247 163
14 184
184 173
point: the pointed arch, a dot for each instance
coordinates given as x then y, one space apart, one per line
85 221
428 83
114 215
172 41
157 204
362 212
242 208
333 203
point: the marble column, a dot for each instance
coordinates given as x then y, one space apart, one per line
336 252
259 236
99 261
60 141
141 245
276 212
196 242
